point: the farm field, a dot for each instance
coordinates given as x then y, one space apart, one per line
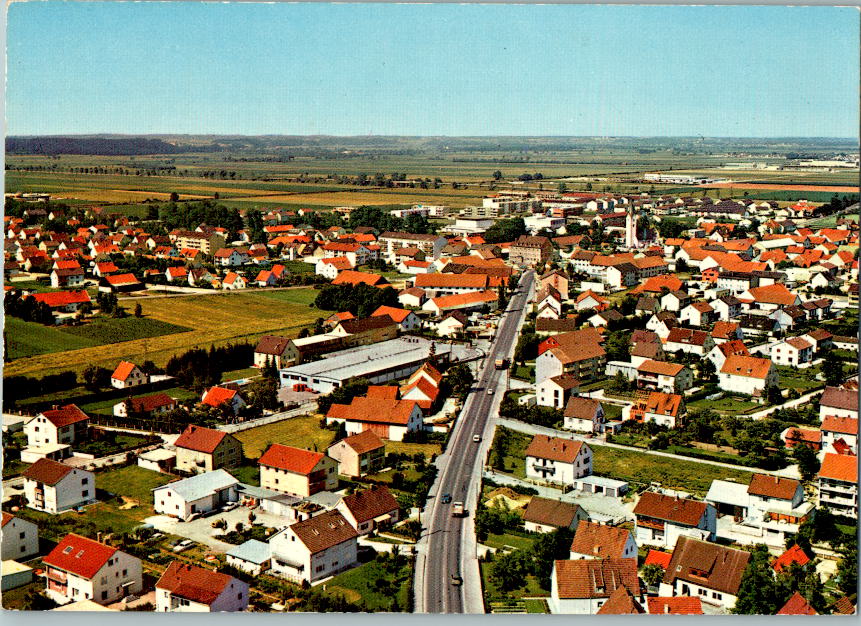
780 187
215 319
301 432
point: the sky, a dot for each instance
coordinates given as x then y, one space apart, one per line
446 69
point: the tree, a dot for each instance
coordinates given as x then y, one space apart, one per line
510 570
653 574
138 310
460 378
497 175
805 457
96 377
548 548
832 368
505 230
847 569
772 393
758 593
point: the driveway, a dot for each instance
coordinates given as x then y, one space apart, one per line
200 530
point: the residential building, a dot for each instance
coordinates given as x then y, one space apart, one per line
128 375
79 568
838 484
390 418
53 487
359 454
600 541
529 251
195 496
556 391
557 460
20 539
662 519
707 571
252 557
185 588
663 376
583 415
543 515
430 245
271 349
297 471
792 352
201 449
370 510
583 586
836 429
315 548
747 374
57 426
405 319
697 342
217 397
577 353
145 406
838 402
664 409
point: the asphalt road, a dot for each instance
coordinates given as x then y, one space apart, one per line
450 541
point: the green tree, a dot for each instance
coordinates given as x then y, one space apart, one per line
96 377
548 548
758 593
652 574
138 310
808 464
510 570
832 368
847 569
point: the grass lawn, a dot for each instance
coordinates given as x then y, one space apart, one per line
536 605
515 461
301 432
245 372
105 517
516 541
104 330
133 482
639 468
727 404
492 594
305 295
524 372
248 473
801 380
298 267
374 586
107 406
14 599
400 447
612 411
25 339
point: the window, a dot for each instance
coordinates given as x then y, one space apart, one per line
21 535
85 493
85 481
23 548
104 595
125 572
104 580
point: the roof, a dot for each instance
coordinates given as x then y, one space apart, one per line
839 467
797 605
200 485
398 315
216 396
688 336
550 512
581 408
146 404
844 425
253 551
662 403
47 471
296 460
55 299
794 555
363 442
193 583
773 294
370 503
772 487
843 606
749 366
272 344
374 409
677 605
324 531
459 300
657 557
660 368
200 439
446 280
837 398
670 508
352 277
554 448
121 279
566 381
80 556
621 602
354 326
124 370
593 578
7 517
600 541
707 564
65 415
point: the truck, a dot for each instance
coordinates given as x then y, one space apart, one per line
457 509
501 364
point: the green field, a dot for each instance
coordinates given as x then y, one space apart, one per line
375 586
133 482
293 296
301 432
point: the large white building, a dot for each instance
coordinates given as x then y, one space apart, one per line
315 548
20 539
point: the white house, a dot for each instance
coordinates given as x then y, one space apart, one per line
838 402
315 548
128 375
556 390
583 586
405 319
252 557
838 484
557 460
543 515
370 509
584 415
196 495
185 588
54 487
83 569
792 352
747 374
600 541
387 417
662 519
20 539
58 426
839 428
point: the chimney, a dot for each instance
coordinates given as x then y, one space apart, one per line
667 609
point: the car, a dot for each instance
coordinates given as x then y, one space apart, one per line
476 438
490 391
446 498
456 580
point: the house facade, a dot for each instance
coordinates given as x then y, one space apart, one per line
53 487
315 548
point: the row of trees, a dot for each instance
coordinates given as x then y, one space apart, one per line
360 300
199 368
382 220
27 309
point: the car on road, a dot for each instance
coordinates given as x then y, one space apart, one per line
476 438
446 498
457 509
456 580
490 391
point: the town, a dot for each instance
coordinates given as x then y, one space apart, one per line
541 397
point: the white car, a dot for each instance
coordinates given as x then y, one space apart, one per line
476 438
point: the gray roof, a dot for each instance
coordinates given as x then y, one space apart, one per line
201 485
253 551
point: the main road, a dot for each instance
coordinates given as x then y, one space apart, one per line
448 546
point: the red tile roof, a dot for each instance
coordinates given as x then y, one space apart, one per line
554 448
797 605
793 555
678 605
352 277
193 583
63 416
773 487
121 279
200 439
216 396
621 602
364 441
321 532
124 369
47 471
376 410
839 467
748 366
79 555
370 503
661 368
600 541
670 508
844 425
399 315
56 299
657 557
595 578
292 459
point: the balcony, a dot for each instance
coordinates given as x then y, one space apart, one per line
56 575
650 523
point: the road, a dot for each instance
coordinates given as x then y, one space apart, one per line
448 545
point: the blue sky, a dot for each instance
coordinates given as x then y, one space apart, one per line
431 69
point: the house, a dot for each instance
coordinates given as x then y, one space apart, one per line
330 267
20 539
230 257
838 402
217 397
838 484
706 571
836 429
120 283
698 314
583 586
747 374
195 496
589 300
792 352
697 342
719 354
599 541
530 251
797 605
820 339
128 375
185 588
557 460
583 415
370 510
423 387
179 274
63 301
776 498
360 454
388 417
315 548
680 605
543 515
271 349
200 449
57 426
412 297
405 319
145 406
556 390
83 569
793 436
233 281
661 519
666 377
726 331
664 409
252 557
67 277
794 556
578 353
352 277
621 602
452 324
465 302
556 279
53 487
297 471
